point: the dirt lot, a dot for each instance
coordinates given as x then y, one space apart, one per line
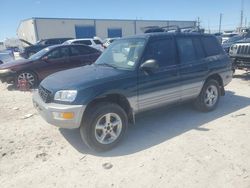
176 147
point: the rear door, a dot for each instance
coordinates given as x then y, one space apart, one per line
162 86
193 65
82 55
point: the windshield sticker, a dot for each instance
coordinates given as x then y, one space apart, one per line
131 63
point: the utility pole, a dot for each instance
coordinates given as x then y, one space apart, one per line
198 22
241 13
220 22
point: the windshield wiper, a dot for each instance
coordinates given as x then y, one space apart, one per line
108 65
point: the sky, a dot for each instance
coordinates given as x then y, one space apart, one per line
13 11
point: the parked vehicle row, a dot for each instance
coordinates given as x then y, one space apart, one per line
31 49
47 61
134 74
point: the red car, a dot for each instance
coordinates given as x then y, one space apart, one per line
47 61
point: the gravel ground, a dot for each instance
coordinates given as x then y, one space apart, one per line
174 147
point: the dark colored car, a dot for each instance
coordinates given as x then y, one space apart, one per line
47 61
26 52
133 75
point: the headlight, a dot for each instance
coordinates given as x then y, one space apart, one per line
3 71
65 95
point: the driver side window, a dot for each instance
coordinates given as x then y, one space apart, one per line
162 50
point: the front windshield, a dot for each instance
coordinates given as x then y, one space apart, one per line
122 54
39 54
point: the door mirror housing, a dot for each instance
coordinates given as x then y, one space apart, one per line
149 65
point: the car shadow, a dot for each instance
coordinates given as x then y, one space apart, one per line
159 125
12 87
245 76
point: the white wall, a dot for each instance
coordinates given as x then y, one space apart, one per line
26 31
182 24
102 27
56 28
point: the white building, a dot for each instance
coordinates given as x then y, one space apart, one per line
35 29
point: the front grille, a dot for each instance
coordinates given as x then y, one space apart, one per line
45 94
243 49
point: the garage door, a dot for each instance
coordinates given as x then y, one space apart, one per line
112 33
85 31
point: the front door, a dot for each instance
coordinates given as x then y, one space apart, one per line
56 60
162 86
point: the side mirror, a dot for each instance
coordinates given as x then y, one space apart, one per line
149 65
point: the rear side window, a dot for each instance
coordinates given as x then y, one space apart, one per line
211 46
163 51
86 42
80 50
186 50
198 48
97 42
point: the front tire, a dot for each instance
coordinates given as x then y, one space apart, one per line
104 126
29 76
209 96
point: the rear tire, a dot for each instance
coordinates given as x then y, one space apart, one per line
1 62
103 126
209 96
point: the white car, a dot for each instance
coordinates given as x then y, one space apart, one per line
108 41
95 43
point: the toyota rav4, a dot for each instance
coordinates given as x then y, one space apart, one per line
133 75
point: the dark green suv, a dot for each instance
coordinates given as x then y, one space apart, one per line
133 75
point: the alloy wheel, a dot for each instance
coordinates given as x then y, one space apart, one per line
108 128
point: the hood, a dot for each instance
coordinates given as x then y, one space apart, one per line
26 42
246 40
11 64
82 77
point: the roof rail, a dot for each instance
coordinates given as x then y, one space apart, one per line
174 28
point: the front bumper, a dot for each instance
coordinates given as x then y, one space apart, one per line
47 111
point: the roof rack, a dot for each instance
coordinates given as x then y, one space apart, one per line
172 28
